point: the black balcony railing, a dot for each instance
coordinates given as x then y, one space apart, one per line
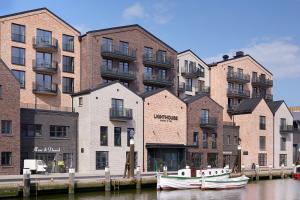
203 89
17 37
262 82
44 66
286 128
118 52
238 77
232 108
190 72
238 93
44 88
120 114
208 122
158 61
268 97
45 43
181 87
116 73
158 80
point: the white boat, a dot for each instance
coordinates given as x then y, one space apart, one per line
228 183
184 180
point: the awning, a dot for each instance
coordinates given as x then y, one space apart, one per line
165 146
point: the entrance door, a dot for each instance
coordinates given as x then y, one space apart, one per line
48 158
212 159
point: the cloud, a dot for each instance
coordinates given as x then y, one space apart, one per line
134 11
280 56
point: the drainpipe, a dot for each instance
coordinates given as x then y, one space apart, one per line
143 135
274 140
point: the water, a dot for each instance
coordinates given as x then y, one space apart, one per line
286 189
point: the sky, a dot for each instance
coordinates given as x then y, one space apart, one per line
268 30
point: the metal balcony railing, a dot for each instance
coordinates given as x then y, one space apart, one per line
120 114
116 73
238 77
158 60
208 122
45 43
191 72
44 66
44 88
286 128
118 52
262 82
238 93
157 80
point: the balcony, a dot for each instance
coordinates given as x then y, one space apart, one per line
238 77
203 89
267 97
189 72
231 108
181 87
45 44
44 89
115 73
120 114
286 129
262 82
157 80
209 122
118 52
44 66
158 61
234 93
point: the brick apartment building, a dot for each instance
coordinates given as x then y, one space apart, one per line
9 122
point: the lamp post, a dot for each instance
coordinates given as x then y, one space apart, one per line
239 157
131 154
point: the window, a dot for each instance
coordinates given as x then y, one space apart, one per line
283 144
68 160
228 139
135 158
197 159
204 116
195 139
186 64
236 140
43 59
43 82
117 104
282 159
117 136
204 140
18 56
68 85
0 91
262 143
6 126
240 88
107 64
213 141
230 103
58 131
18 33
80 101
43 37
6 158
123 67
262 159
68 43
103 136
101 159
129 135
162 74
262 122
68 64
161 56
283 123
148 72
240 73
148 88
202 72
107 44
254 75
124 49
230 86
20 76
31 130
148 52
230 70
188 84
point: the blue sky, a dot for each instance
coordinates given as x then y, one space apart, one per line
269 30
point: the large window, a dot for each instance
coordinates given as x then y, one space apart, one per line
43 59
20 76
262 143
129 135
282 159
282 123
124 48
117 104
6 158
282 144
68 85
107 44
148 52
195 139
262 122
188 84
204 116
262 159
101 159
123 67
213 141
196 159
43 82
58 131
31 130
148 88
43 37
161 56
107 64
68 64
6 126
162 74
117 136
103 136
204 141
148 72
18 56
18 33
68 43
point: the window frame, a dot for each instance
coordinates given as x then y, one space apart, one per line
6 125
103 142
24 58
262 143
11 31
66 67
63 46
20 72
64 86
64 135
262 122
101 167
117 144
4 157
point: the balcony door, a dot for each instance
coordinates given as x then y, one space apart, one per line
117 106
123 67
43 59
107 64
204 116
161 56
148 52
162 74
44 37
107 44
43 82
124 48
148 72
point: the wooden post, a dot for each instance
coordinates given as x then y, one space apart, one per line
243 169
138 178
71 181
282 171
131 159
26 183
165 172
257 172
270 172
107 179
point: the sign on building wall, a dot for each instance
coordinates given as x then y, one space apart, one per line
46 149
166 118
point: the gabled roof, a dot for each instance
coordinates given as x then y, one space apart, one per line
130 26
238 57
189 50
247 106
156 91
40 9
274 105
191 99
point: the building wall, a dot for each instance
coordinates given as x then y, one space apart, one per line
219 82
230 148
283 112
10 110
137 39
95 112
193 125
250 132
191 57
164 132
41 19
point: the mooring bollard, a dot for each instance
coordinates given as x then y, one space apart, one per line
257 172
282 171
270 172
165 169
26 183
243 169
107 179
138 178
71 181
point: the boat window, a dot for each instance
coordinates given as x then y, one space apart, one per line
182 173
209 172
203 173
216 172
222 171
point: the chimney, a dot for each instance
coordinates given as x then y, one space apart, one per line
225 57
239 54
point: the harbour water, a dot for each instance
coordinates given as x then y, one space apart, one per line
280 189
